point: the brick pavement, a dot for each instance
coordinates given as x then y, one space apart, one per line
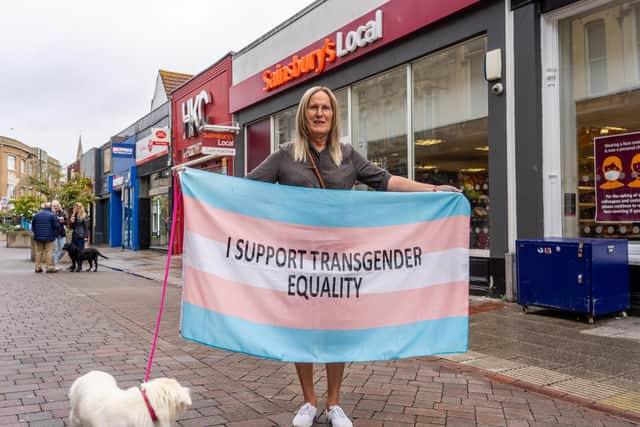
55 327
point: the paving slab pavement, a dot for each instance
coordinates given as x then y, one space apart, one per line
555 351
54 327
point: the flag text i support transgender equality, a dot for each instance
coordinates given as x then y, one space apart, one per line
308 275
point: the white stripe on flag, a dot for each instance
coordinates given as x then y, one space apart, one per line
436 268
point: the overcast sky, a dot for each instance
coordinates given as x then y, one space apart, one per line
71 67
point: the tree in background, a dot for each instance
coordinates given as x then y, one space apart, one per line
26 206
76 189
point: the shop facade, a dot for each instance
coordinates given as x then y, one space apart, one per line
585 133
103 171
413 96
203 134
124 193
89 168
153 139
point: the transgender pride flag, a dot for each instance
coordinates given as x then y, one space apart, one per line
308 275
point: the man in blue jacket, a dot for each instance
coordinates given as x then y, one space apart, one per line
44 226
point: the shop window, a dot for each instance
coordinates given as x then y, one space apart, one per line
285 126
379 120
11 163
608 108
258 143
342 97
637 40
106 160
596 56
450 127
160 220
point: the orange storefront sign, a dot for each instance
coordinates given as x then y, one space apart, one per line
313 61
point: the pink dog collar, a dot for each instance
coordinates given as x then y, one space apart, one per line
152 413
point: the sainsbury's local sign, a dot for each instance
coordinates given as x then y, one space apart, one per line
391 21
342 44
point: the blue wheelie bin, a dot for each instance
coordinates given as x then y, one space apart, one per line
588 276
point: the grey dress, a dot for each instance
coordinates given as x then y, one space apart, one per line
281 167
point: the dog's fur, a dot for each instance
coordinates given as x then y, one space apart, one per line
78 256
97 401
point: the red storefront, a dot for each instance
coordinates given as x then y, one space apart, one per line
202 131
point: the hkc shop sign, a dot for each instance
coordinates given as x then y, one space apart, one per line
193 117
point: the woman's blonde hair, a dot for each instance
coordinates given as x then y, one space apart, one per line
56 204
302 139
79 210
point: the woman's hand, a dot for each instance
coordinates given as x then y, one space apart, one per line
447 188
399 183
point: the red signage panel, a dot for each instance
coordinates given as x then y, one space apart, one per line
202 100
617 177
379 27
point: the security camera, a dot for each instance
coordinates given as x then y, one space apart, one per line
497 89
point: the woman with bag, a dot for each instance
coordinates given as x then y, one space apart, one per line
78 224
61 233
317 159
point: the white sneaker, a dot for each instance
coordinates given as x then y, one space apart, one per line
337 417
305 416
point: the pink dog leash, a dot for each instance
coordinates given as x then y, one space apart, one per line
152 413
177 199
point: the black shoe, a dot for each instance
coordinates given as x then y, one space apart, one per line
70 268
38 271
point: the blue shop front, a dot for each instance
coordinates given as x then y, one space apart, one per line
124 196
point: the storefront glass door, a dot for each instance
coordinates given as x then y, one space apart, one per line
451 140
159 220
600 98
127 218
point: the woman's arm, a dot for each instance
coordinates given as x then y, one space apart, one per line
267 171
398 183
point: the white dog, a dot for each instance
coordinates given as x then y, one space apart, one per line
97 401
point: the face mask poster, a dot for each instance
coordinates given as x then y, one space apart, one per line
617 173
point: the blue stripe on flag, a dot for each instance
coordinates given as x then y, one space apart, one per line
330 208
303 345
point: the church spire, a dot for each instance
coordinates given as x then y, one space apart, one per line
80 150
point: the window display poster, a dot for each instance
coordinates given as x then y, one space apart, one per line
617 177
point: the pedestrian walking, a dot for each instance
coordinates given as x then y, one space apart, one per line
78 224
44 227
61 234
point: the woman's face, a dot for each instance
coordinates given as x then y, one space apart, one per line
319 115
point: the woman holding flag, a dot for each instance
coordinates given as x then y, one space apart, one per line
317 159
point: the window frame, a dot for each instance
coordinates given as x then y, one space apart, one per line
590 62
106 160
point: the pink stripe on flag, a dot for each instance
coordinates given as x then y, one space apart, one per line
275 308
217 224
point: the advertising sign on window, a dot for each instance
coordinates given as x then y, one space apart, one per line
153 146
617 173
